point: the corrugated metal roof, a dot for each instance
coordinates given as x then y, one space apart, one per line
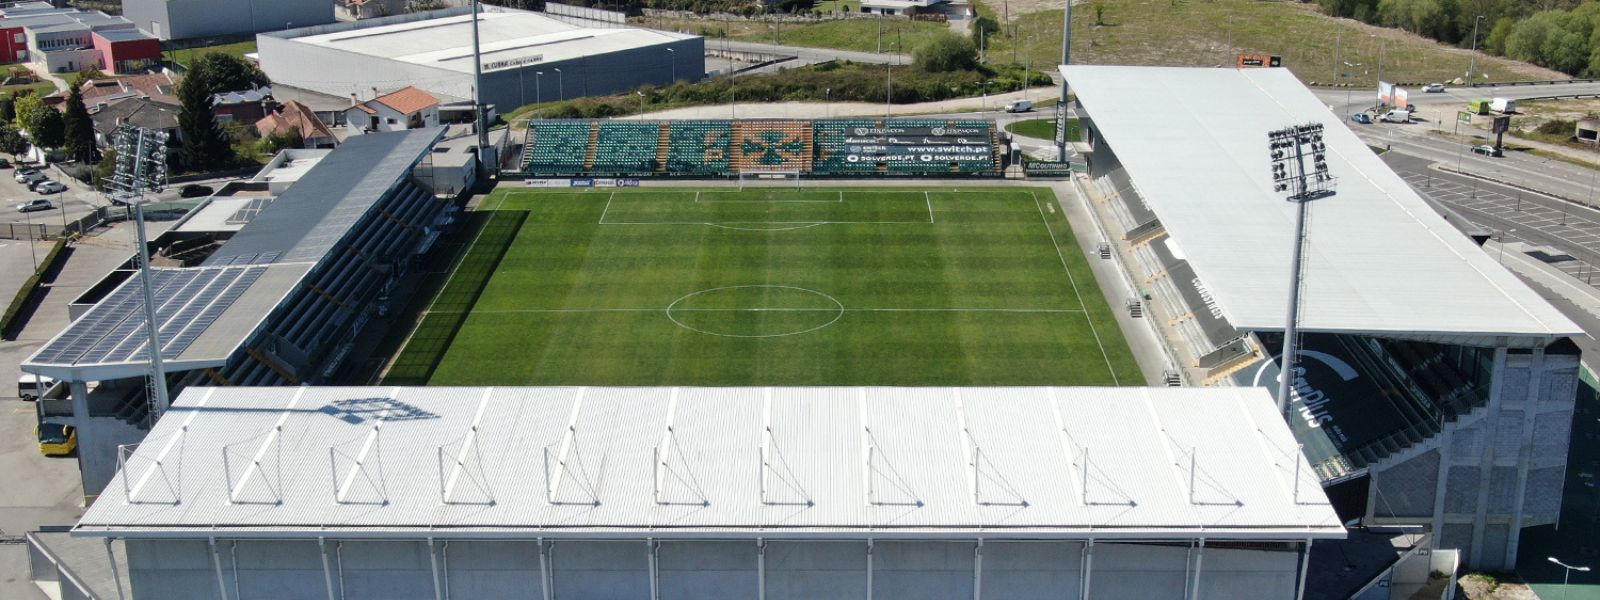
1378 259
689 461
321 207
509 39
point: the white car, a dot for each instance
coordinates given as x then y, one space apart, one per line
1433 88
51 187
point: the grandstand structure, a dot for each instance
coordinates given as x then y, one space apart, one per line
727 148
269 282
684 492
1433 389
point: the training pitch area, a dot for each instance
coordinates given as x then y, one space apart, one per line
721 287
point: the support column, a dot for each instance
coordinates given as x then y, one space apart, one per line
1480 518
327 570
655 573
1088 569
1305 563
761 569
1199 561
216 563
869 568
977 571
111 561
544 570
1525 458
433 561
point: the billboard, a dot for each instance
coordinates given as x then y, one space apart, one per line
1259 60
1385 92
915 145
1400 99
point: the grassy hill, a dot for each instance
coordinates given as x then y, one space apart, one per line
1214 32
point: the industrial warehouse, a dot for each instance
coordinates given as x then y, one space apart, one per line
527 57
1434 388
654 492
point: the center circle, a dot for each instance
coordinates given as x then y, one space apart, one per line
755 311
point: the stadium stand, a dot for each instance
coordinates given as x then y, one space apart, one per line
723 148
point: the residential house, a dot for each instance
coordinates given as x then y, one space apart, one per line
244 106
405 108
142 112
294 115
160 87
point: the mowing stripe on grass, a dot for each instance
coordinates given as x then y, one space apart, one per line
450 308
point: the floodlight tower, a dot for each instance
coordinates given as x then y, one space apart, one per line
141 167
1289 147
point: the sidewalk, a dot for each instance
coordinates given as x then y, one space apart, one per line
1549 281
823 110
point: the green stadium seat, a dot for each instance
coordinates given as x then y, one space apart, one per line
626 148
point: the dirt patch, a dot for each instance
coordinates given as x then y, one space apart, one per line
1479 586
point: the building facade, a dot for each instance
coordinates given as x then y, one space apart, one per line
684 493
185 19
527 57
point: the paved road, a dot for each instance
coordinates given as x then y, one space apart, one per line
1348 100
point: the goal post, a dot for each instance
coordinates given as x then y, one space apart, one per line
785 178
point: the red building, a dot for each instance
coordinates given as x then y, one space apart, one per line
13 44
124 50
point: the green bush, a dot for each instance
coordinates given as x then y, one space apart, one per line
29 286
947 52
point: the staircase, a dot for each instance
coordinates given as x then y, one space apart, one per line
594 142
663 147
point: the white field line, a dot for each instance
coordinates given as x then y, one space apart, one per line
762 309
929 198
607 209
1092 329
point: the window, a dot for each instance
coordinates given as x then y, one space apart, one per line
391 120
19 38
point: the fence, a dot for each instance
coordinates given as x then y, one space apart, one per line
39 231
589 16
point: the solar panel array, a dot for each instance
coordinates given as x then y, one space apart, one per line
187 302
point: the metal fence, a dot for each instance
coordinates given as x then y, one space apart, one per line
39 231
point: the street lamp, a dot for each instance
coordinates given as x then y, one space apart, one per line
674 54
1503 235
561 85
1567 575
1472 63
538 86
641 105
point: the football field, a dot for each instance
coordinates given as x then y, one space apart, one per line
720 287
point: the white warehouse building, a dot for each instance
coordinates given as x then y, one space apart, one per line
660 493
527 57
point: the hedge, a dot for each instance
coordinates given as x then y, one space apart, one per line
29 287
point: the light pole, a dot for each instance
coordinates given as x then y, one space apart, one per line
28 216
1503 235
561 85
1566 576
1351 66
538 86
641 105
827 95
674 55
1381 46
1472 63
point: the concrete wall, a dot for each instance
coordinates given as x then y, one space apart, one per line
181 19
404 570
1493 472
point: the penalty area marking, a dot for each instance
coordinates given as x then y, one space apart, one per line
1074 281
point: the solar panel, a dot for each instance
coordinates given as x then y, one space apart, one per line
187 302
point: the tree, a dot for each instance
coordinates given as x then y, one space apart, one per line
203 144
8 108
225 73
79 129
281 141
28 107
49 130
12 142
947 52
86 75
104 170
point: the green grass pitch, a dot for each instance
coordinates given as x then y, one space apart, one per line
850 286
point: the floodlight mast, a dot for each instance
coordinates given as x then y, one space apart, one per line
1287 148
141 166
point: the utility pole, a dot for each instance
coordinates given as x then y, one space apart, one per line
480 119
1288 148
1472 63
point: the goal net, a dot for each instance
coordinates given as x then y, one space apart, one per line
771 179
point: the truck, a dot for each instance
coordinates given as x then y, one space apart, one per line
1503 105
1396 116
1479 106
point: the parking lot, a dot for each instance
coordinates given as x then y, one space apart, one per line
75 203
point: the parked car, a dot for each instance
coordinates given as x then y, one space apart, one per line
50 187
5 164
36 204
56 439
195 190
28 385
1018 106
26 174
1433 88
35 184
1486 150
1362 118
